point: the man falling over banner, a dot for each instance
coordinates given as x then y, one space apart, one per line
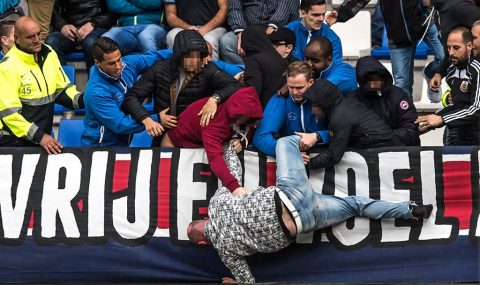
245 222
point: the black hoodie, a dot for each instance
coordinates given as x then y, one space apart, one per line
350 123
264 66
391 103
157 82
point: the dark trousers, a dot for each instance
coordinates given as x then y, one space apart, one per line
63 46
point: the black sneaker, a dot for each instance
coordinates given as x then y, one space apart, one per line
421 211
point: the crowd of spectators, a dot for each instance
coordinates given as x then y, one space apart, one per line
176 52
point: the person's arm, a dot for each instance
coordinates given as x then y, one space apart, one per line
105 109
281 16
172 17
330 156
233 162
349 9
134 98
223 84
66 94
236 21
454 117
239 267
273 119
143 62
336 45
344 78
253 75
405 128
213 144
229 68
104 20
57 19
218 20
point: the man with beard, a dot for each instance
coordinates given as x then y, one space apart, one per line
461 116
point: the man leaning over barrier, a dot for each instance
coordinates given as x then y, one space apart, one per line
245 222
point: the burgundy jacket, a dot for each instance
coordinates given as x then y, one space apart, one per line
189 133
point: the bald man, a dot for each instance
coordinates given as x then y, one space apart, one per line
32 81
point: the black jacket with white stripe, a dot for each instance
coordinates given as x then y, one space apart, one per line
463 114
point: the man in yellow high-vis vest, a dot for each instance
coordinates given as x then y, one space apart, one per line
31 82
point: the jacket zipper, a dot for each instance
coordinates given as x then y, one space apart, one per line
38 83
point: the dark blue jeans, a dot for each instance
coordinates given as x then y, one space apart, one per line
62 46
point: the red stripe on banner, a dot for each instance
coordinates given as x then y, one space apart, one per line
409 179
30 224
458 191
203 211
120 175
271 174
163 188
80 205
206 173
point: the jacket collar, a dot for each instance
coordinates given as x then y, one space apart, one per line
327 71
28 57
111 78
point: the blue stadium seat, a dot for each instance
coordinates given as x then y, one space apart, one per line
142 139
384 53
76 56
70 72
70 132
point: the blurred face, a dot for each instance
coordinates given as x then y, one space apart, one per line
111 64
318 111
374 82
298 85
476 40
28 37
458 51
283 48
314 57
192 61
313 19
7 42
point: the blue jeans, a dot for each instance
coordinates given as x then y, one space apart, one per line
138 38
432 39
228 49
402 67
62 46
317 210
377 27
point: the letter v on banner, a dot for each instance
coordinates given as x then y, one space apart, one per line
13 215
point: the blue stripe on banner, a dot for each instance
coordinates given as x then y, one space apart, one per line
159 260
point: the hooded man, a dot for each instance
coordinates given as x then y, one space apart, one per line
178 82
242 108
350 123
264 66
390 102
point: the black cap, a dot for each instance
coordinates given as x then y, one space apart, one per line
283 34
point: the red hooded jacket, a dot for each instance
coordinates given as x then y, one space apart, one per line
189 133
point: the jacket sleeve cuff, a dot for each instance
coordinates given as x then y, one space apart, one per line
35 134
232 185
